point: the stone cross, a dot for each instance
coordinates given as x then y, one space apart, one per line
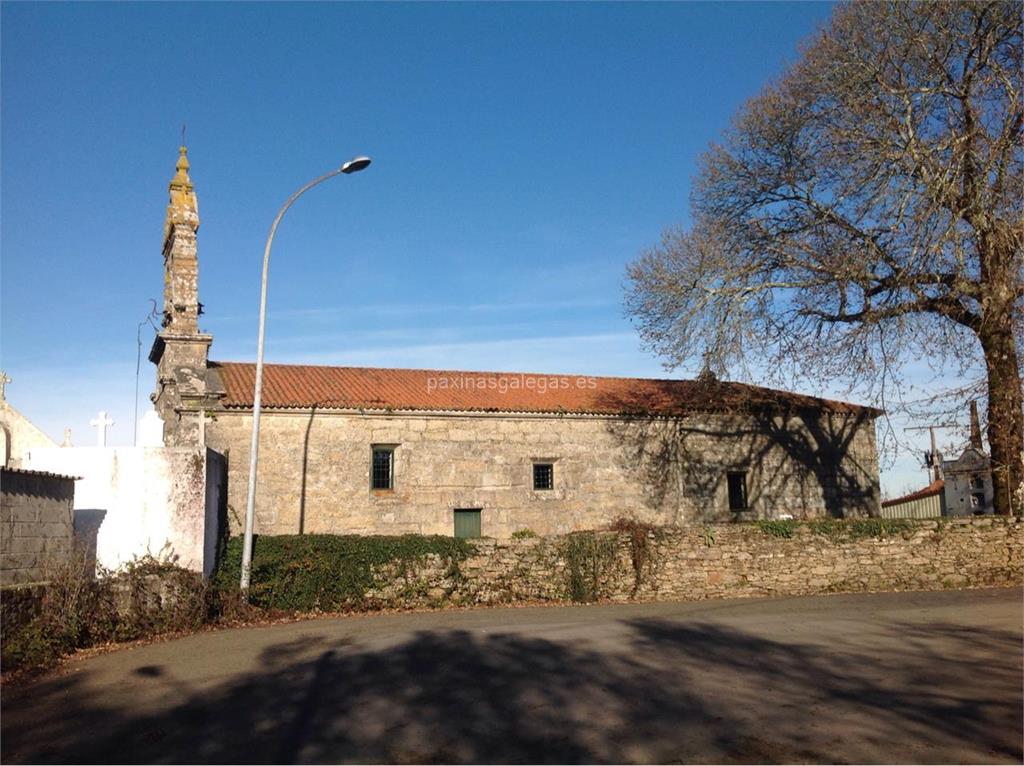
100 422
67 438
4 380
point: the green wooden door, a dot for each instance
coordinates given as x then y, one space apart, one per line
467 522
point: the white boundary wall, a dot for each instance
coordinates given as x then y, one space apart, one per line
154 499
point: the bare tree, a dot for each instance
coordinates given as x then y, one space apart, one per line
864 210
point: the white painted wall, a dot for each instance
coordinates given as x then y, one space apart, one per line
155 499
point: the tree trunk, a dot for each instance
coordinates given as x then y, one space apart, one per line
1005 417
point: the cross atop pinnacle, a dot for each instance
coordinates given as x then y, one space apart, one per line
182 208
181 179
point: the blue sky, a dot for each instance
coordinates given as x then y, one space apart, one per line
523 155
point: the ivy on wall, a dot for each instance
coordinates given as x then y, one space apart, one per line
330 572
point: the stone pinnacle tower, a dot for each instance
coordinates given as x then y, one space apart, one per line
180 350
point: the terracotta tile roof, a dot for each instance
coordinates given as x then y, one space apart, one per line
935 488
288 386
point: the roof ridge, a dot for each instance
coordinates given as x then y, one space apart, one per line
474 372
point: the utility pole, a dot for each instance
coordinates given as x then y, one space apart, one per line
932 458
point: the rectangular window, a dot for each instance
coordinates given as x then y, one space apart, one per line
382 473
737 491
543 476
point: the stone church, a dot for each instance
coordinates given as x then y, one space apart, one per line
391 451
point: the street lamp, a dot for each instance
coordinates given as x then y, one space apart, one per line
352 166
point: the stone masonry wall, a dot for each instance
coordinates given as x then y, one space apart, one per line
36 523
314 470
729 561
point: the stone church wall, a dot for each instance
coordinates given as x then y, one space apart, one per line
314 470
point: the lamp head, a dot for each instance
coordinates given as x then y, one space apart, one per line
356 164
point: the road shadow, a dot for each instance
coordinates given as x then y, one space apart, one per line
951 693
669 692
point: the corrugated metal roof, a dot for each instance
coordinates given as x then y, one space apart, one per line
935 488
30 472
288 386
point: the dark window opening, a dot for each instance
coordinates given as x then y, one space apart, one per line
543 476
737 491
383 468
977 482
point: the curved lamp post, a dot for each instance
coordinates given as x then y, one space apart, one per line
352 166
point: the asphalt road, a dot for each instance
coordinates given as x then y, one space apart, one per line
885 678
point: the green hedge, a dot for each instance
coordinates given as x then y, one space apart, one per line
327 572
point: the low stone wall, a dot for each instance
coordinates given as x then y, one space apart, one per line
36 524
722 561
